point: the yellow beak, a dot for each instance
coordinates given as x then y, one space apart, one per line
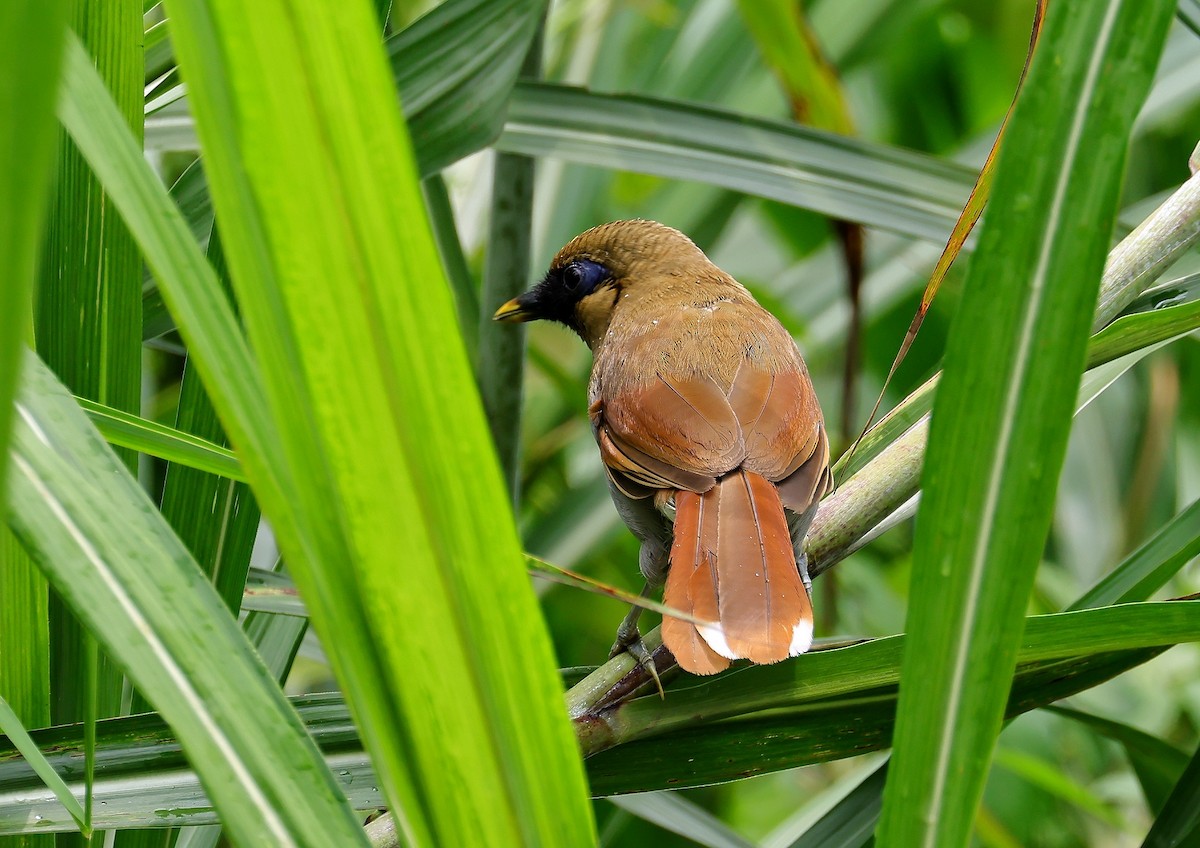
513 312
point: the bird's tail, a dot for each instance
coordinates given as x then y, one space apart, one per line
732 564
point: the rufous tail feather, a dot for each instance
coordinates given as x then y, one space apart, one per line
692 582
732 563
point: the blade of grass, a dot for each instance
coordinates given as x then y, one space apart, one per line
838 703
1046 776
455 68
1189 13
500 369
857 669
30 49
1003 412
1149 567
870 184
1143 329
967 219
1171 228
363 422
851 822
88 316
150 437
445 231
11 727
1157 763
1179 820
216 518
94 533
30 54
144 780
674 813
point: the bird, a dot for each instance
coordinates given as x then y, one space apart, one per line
710 433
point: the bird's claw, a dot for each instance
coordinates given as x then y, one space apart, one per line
629 641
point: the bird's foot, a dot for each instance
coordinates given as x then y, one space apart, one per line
629 641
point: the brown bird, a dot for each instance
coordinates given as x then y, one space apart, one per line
703 409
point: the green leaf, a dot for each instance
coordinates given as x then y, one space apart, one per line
445 231
149 437
455 68
790 48
1157 763
823 706
478 751
30 49
851 822
1189 13
132 583
865 667
870 184
30 56
1149 567
1176 311
1179 820
216 518
1044 775
87 316
1128 339
144 780
677 814
11 727
1004 407
500 364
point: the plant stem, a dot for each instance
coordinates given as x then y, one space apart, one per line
501 362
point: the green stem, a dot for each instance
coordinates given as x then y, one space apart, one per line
1149 250
445 233
506 273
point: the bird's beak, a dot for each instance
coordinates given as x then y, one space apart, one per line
513 312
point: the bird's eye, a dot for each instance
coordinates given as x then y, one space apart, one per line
582 276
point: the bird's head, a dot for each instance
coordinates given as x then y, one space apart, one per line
590 278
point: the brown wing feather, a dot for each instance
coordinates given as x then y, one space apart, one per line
811 481
779 417
692 583
684 424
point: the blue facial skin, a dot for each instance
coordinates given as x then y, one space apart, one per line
555 297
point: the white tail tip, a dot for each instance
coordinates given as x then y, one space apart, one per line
802 636
714 635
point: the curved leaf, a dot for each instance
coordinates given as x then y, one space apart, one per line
90 528
1004 406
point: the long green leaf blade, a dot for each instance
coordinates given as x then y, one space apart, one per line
150 437
827 705
132 582
30 57
1149 567
88 316
379 425
1179 820
870 184
11 727
30 50
1003 411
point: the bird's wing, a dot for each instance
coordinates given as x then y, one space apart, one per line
667 433
781 424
